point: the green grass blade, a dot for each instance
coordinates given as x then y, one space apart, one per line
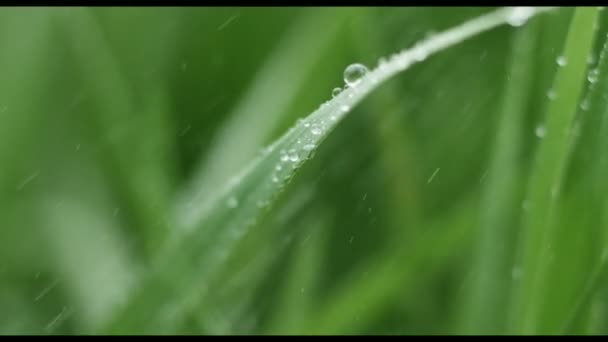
548 173
491 273
213 232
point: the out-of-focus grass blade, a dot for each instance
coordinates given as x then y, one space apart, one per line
361 297
180 276
547 176
491 273
138 173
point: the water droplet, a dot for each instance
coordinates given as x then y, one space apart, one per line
333 118
551 95
336 91
344 108
354 73
293 155
519 15
308 147
592 76
307 125
278 167
585 104
232 202
316 130
275 179
561 61
540 131
284 158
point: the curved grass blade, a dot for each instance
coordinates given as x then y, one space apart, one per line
179 277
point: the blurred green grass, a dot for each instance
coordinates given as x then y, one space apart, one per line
410 219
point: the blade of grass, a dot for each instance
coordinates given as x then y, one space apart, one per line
591 186
361 297
191 258
138 173
491 273
547 175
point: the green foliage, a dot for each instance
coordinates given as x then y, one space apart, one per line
153 179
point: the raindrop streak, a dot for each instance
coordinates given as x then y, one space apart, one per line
58 319
432 176
27 180
540 131
232 202
336 91
354 73
561 61
520 15
46 290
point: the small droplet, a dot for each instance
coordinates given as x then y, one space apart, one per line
333 118
293 155
306 125
336 91
551 95
540 131
284 158
308 147
344 108
316 130
232 202
382 62
275 179
592 76
278 167
585 104
561 61
519 15
354 73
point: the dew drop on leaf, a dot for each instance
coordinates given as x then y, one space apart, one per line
354 73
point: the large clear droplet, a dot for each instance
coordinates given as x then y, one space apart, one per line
354 73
